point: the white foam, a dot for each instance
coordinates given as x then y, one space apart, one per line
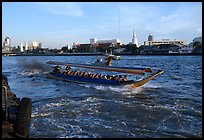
151 85
133 91
36 114
51 105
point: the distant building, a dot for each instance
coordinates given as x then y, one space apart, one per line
75 44
102 47
96 45
26 46
21 47
40 45
151 42
198 39
83 48
193 46
34 45
96 41
186 49
7 42
93 41
159 49
6 45
150 37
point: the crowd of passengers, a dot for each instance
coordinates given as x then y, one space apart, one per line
68 71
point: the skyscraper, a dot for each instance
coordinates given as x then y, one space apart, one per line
7 44
21 47
134 39
7 41
26 46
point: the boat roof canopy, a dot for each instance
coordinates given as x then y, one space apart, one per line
131 70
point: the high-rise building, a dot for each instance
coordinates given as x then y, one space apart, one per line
7 44
150 37
34 45
40 45
134 39
21 47
26 46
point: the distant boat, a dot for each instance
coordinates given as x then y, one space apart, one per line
99 62
78 76
114 57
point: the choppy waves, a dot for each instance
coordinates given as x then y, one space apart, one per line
170 106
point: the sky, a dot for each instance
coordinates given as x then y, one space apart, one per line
57 24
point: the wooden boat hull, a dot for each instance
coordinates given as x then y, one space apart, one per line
98 81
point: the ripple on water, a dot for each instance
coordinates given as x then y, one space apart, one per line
168 106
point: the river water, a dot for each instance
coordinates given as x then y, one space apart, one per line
170 106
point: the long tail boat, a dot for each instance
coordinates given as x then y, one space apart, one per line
80 78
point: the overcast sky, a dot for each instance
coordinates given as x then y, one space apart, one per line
56 24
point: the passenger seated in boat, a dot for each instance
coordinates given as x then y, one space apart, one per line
120 78
108 77
69 72
84 74
100 76
96 76
105 77
81 73
72 73
125 78
67 68
91 76
116 77
112 77
75 73
57 69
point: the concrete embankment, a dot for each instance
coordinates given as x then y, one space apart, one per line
16 113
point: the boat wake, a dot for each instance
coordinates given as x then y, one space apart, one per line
32 73
151 86
116 89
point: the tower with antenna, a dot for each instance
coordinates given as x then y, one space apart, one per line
134 39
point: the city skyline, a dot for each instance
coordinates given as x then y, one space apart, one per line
56 24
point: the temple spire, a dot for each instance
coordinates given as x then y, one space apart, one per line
134 39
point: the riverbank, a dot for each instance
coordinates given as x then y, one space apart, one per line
91 54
